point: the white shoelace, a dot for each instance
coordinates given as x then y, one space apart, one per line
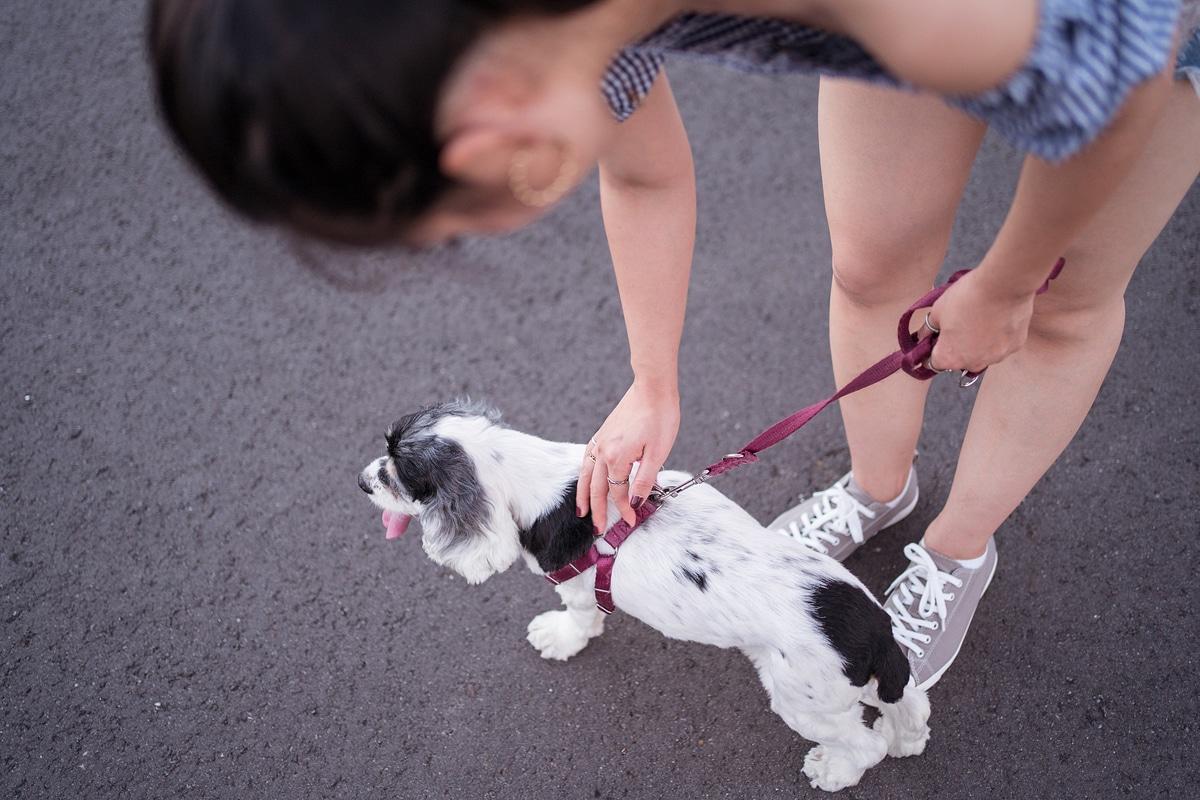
838 513
921 580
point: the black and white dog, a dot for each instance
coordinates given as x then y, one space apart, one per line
700 569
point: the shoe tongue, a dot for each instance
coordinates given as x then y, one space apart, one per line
396 524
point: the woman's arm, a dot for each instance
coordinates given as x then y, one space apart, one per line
648 198
985 317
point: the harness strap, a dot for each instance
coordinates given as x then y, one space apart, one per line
910 358
603 562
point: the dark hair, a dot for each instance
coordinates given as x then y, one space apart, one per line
318 114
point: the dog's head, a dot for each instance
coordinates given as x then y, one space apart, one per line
430 471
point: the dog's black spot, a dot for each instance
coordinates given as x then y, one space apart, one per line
861 632
558 537
383 475
698 578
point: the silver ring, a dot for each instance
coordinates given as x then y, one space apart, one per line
932 329
592 457
929 365
966 380
611 482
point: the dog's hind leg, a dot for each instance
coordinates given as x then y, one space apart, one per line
846 748
828 714
905 723
558 635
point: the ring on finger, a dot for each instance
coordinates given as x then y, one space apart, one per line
592 457
929 365
929 325
621 482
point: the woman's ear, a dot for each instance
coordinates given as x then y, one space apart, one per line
484 157
478 156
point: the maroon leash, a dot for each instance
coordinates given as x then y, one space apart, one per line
912 358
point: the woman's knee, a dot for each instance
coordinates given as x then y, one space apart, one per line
1073 321
874 272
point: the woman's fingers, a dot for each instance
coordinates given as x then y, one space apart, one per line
644 483
584 484
943 358
619 492
598 495
930 327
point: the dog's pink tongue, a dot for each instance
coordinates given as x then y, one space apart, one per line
395 523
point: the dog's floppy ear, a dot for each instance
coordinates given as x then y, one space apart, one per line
417 455
558 536
420 463
438 473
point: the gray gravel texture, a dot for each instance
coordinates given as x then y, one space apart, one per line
196 601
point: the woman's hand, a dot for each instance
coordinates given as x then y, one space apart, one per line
642 429
981 322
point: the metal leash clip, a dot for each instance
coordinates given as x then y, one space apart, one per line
658 494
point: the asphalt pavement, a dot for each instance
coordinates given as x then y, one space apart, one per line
197 602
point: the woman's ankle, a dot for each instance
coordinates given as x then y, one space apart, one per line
883 486
956 543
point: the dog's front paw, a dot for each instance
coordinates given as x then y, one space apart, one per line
556 635
827 769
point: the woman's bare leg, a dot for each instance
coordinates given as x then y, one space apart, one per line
1031 404
893 166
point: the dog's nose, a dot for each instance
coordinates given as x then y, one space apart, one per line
362 484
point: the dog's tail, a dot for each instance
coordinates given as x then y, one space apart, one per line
861 632
889 666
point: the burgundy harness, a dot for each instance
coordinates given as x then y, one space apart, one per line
912 358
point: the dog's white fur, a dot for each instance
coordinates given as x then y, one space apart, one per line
754 599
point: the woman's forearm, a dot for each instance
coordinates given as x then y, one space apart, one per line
648 198
651 232
1054 202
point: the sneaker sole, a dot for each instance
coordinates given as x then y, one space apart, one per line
929 682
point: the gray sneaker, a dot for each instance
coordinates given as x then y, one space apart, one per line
932 604
840 519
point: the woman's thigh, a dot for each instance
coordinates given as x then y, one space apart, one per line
893 168
1101 260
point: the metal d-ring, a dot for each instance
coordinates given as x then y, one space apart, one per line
967 379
